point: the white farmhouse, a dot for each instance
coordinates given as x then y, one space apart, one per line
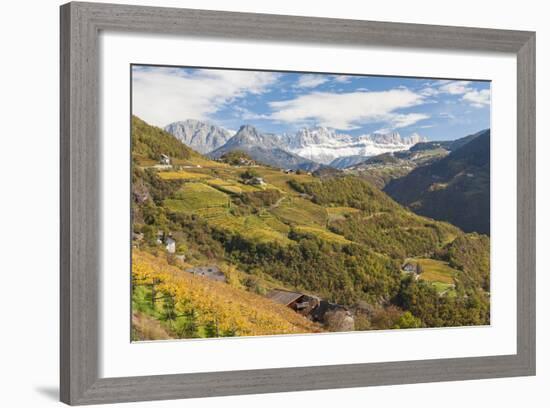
257 181
170 245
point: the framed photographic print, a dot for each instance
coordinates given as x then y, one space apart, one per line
260 203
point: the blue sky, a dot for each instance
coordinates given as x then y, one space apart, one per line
281 102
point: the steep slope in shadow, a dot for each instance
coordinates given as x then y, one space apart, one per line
454 189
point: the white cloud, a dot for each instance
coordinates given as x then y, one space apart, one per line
447 115
455 87
429 91
310 81
164 95
478 99
404 120
350 110
342 78
247 114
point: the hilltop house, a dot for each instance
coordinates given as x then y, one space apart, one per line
168 242
256 181
170 245
210 272
243 161
409 267
412 268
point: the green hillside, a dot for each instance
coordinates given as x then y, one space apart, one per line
337 237
149 142
454 189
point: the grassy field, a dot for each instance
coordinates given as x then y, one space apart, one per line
323 234
253 227
211 212
182 175
280 180
339 213
436 271
298 211
196 196
231 186
446 288
274 223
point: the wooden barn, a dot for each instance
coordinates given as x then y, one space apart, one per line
297 301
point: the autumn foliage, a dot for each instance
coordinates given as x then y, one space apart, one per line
217 306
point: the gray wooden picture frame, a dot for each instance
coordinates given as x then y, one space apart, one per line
81 24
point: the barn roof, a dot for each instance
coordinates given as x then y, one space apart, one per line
284 297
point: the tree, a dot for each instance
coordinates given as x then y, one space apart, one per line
249 174
211 328
190 328
408 321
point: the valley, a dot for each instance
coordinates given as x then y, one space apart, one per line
274 221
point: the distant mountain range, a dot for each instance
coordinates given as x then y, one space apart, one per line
449 145
325 146
201 136
264 148
309 148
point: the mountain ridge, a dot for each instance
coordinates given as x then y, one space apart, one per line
263 148
317 144
455 188
201 136
325 145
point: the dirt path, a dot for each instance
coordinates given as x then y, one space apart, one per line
277 203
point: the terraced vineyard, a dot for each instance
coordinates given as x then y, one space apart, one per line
298 211
193 306
196 197
253 227
182 175
338 238
230 187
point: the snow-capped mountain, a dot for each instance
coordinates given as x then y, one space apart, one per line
324 145
201 136
265 148
249 135
317 144
394 138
